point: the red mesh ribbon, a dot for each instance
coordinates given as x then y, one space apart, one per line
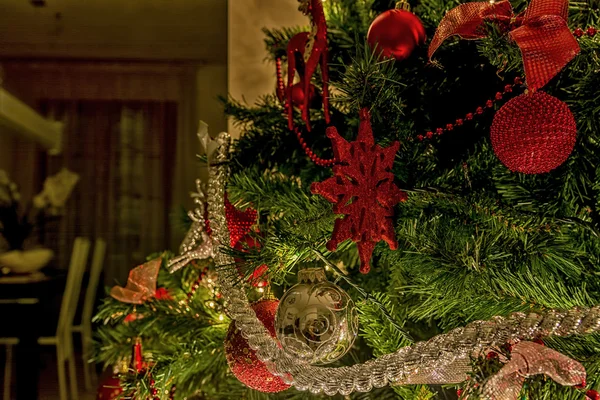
542 33
530 359
141 283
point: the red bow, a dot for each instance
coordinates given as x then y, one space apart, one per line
542 33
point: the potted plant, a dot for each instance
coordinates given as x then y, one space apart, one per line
17 223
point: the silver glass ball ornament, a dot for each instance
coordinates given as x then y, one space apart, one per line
316 321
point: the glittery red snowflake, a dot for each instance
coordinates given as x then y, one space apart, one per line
363 190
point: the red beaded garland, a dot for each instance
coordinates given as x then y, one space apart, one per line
317 160
533 133
478 111
280 85
242 359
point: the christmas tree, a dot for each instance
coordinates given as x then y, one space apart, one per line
399 185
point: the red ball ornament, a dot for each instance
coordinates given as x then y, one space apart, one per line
533 133
396 33
592 395
109 389
242 360
314 100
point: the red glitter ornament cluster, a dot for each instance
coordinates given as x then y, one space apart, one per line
396 33
363 190
242 359
533 133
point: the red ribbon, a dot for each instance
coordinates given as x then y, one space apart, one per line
528 359
541 32
141 283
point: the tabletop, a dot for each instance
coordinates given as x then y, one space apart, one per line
34 277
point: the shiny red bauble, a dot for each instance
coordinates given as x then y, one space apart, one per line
396 33
592 395
242 360
533 133
314 100
109 389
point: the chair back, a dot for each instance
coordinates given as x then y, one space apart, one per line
95 271
77 266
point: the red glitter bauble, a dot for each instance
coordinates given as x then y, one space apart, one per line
533 133
109 389
314 100
396 33
242 359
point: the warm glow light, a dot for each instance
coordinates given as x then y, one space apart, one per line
260 290
221 318
211 304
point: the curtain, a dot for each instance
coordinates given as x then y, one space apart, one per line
124 153
131 134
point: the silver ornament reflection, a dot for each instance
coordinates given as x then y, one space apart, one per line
316 320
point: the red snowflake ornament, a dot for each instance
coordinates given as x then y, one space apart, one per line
363 190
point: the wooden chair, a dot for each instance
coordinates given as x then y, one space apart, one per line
63 340
85 326
9 343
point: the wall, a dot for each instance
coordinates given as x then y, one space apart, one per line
212 83
249 75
